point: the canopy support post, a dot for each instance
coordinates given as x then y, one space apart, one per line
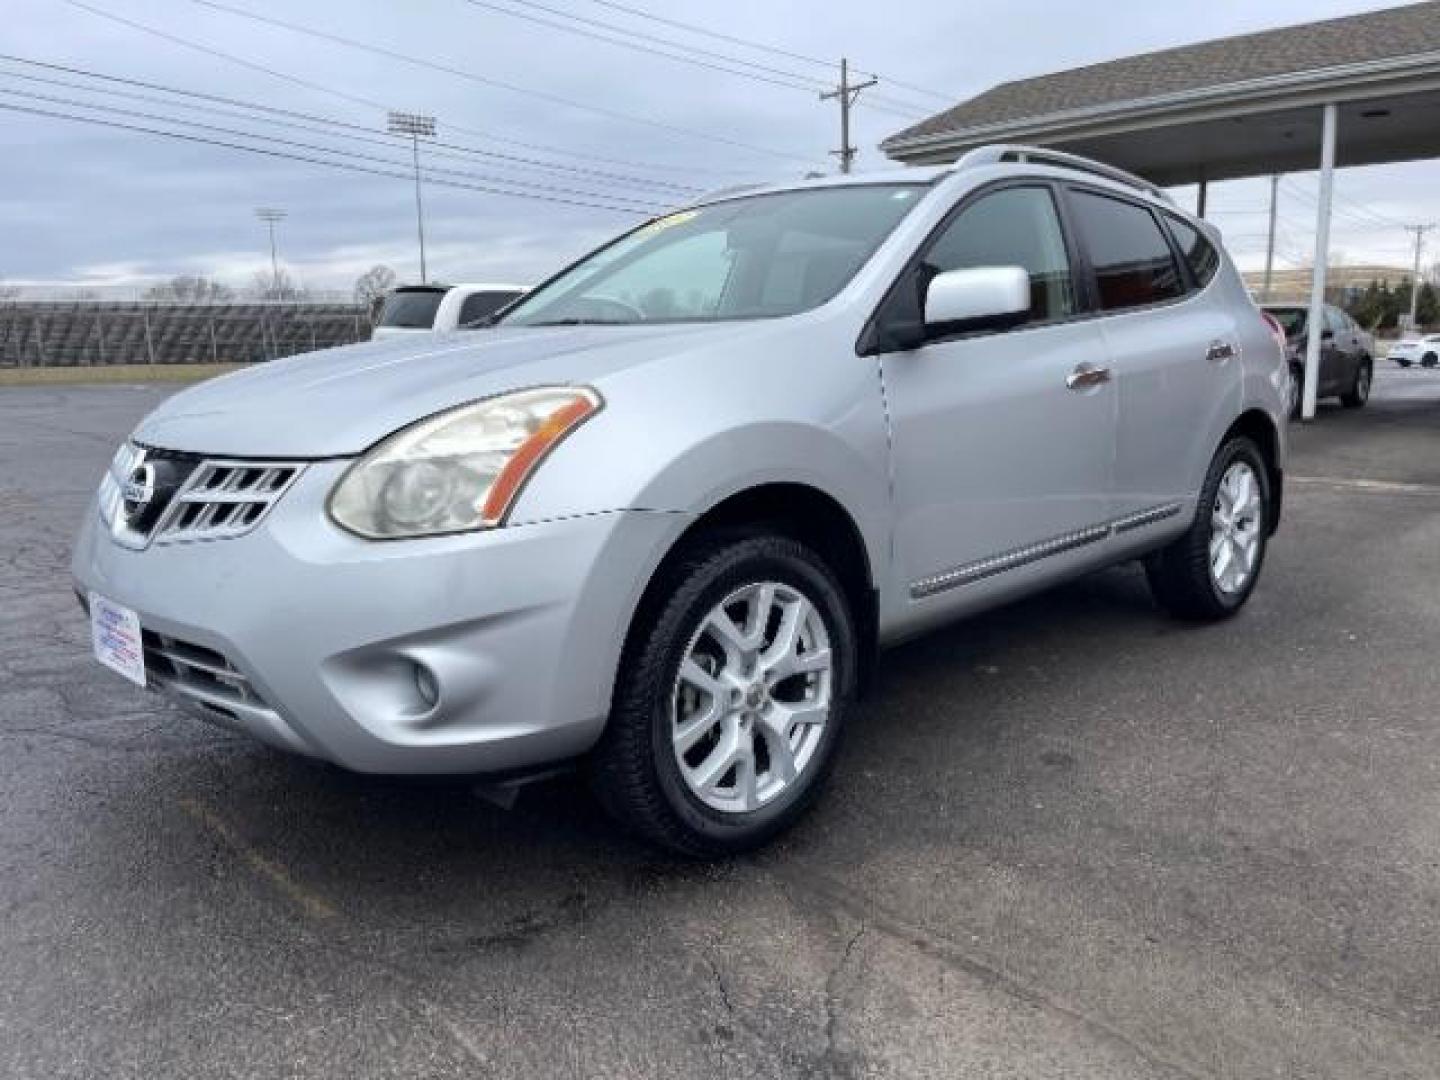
1315 324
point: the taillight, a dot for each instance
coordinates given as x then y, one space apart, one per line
1276 330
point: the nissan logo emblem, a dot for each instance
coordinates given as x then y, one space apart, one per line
138 489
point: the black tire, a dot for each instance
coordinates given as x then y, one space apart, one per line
634 771
1403 363
1359 392
1179 574
1430 359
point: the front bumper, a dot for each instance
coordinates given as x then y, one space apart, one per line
479 653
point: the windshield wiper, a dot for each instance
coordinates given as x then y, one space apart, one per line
584 322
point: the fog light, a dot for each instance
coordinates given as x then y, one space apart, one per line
426 686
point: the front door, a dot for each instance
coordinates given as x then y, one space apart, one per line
1002 442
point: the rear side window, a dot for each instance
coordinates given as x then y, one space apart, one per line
1012 227
412 309
481 305
1204 260
1132 262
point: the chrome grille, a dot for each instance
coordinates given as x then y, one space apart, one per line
224 499
163 497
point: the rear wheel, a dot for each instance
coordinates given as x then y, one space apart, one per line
1359 392
1210 571
1430 359
731 697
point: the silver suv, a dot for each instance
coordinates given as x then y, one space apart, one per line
659 519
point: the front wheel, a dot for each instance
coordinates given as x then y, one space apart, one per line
1429 360
1210 571
1359 392
731 697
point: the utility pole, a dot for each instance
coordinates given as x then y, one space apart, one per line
272 217
415 125
1270 243
846 93
1419 231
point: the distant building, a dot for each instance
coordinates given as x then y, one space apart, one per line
1341 282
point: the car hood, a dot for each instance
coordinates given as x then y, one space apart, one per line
339 402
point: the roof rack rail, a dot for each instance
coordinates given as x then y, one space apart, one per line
1038 155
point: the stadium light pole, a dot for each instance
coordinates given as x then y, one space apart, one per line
272 216
415 125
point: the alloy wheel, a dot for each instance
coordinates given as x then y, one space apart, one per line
1235 524
752 697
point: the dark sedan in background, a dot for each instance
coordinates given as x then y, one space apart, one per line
1347 354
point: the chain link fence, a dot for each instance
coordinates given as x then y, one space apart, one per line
94 333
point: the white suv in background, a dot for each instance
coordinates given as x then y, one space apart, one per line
425 309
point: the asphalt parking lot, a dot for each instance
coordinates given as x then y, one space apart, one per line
1066 839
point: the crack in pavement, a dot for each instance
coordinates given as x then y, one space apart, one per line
816 886
831 1061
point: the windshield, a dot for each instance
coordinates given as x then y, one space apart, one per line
1291 319
412 309
747 258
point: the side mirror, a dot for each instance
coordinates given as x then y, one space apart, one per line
977 298
1327 335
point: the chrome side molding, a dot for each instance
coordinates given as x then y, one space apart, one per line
992 565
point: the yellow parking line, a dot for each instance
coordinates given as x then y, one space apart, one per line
317 907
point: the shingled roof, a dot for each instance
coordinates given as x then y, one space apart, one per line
1389 34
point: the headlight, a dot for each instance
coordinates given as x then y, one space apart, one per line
459 470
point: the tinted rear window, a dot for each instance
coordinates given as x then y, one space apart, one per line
412 309
1204 260
480 305
1132 261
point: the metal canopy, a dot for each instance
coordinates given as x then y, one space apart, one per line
1362 90
1237 135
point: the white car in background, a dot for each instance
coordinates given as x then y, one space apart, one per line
1414 349
425 309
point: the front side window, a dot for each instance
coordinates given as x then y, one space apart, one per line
1012 227
754 257
1132 262
1198 252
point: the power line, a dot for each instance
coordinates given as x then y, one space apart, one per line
290 156
631 39
484 80
794 80
482 177
303 121
639 13
369 103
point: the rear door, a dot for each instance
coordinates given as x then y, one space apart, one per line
1171 343
1001 471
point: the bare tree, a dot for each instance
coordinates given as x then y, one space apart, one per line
374 284
278 285
190 287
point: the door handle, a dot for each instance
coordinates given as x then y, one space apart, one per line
1219 352
1087 375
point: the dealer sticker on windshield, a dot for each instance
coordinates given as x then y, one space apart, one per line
115 634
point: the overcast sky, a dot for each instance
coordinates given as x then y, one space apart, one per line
93 206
